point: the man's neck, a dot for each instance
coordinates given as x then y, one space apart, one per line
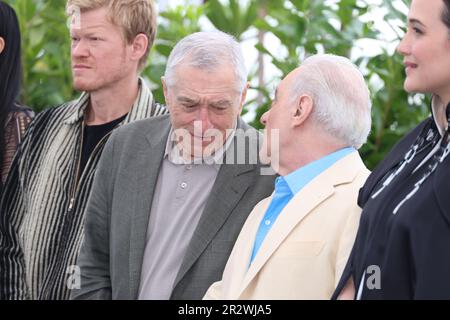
111 103
305 156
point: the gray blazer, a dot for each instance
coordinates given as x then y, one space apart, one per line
118 213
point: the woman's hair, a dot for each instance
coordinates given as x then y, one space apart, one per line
10 67
446 15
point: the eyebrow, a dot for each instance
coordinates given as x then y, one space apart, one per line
90 29
221 103
184 99
413 20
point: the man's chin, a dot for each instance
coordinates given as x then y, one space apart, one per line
78 84
83 86
201 152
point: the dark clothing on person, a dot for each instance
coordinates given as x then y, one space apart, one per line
16 125
402 246
92 136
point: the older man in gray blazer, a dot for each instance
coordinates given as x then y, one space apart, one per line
172 193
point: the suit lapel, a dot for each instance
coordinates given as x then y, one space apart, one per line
148 161
238 264
303 203
294 212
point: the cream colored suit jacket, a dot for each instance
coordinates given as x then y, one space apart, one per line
305 252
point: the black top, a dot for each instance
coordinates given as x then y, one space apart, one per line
403 241
92 136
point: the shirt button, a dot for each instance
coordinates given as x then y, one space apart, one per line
183 185
268 222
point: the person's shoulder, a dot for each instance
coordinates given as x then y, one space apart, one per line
397 152
411 136
49 121
144 125
131 133
394 156
22 111
59 111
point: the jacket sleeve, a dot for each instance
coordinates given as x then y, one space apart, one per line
94 260
13 209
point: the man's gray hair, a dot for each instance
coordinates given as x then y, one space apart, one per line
207 51
342 104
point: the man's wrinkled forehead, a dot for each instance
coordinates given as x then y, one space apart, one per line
89 30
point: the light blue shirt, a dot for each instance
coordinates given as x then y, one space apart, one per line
286 187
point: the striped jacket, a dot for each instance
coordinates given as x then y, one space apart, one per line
42 209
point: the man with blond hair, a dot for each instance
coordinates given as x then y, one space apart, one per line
42 210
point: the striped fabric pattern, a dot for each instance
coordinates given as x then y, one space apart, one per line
41 229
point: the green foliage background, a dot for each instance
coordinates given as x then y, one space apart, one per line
303 27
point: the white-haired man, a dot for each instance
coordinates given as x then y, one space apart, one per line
168 199
294 244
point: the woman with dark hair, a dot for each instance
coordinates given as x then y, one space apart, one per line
13 118
402 250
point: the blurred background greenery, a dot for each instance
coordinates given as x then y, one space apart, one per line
281 33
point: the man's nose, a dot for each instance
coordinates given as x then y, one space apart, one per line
205 119
80 49
263 119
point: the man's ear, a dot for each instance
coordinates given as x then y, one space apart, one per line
139 47
166 92
243 97
302 110
2 44
164 85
